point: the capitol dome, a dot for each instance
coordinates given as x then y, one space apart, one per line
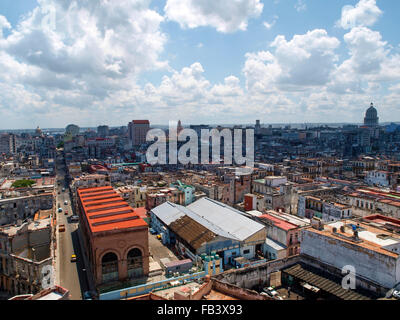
371 116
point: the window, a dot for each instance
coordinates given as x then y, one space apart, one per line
247 251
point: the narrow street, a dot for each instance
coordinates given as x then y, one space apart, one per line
71 274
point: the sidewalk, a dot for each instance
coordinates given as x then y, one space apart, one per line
89 274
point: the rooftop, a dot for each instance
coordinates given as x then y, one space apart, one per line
371 238
105 210
278 222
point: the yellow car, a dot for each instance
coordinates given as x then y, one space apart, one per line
73 258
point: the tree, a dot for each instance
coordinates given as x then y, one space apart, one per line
24 183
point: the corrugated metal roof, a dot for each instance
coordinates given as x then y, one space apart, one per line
220 219
192 232
223 219
322 283
274 245
168 212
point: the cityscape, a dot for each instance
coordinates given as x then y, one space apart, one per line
136 202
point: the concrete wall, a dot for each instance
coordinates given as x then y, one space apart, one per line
257 275
377 267
237 292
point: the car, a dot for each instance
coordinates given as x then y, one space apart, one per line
61 228
152 231
59 210
59 192
73 258
63 189
65 202
270 291
74 219
66 212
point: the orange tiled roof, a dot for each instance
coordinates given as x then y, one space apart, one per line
105 210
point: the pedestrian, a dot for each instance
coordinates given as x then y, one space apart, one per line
288 291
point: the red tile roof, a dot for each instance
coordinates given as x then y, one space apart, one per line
280 223
141 121
105 210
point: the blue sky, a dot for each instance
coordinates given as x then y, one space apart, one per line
203 61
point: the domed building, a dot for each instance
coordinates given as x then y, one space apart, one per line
72 130
371 117
38 133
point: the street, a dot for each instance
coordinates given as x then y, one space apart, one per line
71 274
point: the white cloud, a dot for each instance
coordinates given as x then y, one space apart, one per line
225 16
300 5
94 50
364 14
269 25
306 60
370 62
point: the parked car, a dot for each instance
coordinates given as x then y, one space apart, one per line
270 291
73 258
61 228
65 202
152 231
66 212
59 210
74 219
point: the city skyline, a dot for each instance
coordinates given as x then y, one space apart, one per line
278 61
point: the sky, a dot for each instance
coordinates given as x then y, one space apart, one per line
93 62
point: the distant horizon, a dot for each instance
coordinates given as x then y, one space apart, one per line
213 124
233 61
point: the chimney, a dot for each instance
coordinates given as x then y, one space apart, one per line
334 230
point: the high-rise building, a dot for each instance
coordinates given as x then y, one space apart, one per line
103 131
137 130
8 144
371 117
257 128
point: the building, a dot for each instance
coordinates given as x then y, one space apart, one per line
378 178
283 234
25 256
371 117
367 201
72 130
207 226
23 207
324 207
53 293
8 144
137 131
115 237
103 131
372 252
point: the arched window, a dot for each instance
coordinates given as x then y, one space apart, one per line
135 263
109 267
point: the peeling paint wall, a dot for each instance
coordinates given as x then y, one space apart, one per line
371 265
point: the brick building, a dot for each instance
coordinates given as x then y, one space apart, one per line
115 237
